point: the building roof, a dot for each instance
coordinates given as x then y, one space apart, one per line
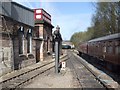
17 12
23 6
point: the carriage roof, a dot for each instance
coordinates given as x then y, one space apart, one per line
108 37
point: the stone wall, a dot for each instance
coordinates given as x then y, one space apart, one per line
10 59
45 45
25 59
5 54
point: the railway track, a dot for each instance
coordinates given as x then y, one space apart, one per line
18 81
100 76
86 77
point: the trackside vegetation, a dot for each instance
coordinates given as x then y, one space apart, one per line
105 21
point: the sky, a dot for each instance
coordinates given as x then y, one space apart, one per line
72 17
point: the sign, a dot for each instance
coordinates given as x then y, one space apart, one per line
63 65
41 14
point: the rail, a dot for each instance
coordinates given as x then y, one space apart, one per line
19 80
94 74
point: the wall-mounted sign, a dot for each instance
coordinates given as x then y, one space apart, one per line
41 14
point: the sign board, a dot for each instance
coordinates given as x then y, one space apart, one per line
41 14
63 65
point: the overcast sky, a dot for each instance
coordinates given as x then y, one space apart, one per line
70 16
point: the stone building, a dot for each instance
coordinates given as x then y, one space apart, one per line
43 27
17 48
23 41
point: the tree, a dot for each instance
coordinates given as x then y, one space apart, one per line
105 21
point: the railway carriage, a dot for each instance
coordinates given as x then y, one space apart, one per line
83 49
105 48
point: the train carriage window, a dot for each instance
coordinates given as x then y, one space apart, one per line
117 50
110 49
104 49
117 47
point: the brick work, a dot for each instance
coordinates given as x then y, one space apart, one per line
45 34
14 53
25 59
9 47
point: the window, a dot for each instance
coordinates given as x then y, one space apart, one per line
104 49
29 41
36 32
117 50
21 40
110 49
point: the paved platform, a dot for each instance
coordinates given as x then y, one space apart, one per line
65 79
68 79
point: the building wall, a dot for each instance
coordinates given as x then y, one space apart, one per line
45 45
12 17
22 60
9 47
5 54
15 15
